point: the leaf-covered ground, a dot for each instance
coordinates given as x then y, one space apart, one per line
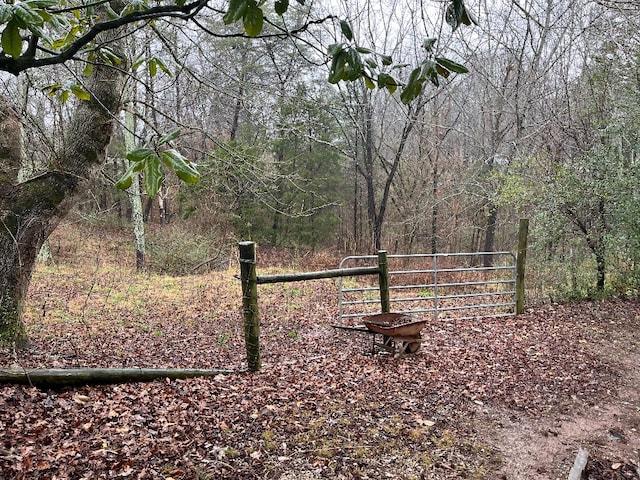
481 399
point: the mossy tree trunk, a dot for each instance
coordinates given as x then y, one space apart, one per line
32 208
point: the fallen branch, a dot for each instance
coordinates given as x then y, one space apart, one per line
65 377
580 463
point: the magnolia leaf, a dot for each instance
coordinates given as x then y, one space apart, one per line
253 20
334 48
346 30
391 85
5 13
152 175
382 80
336 72
451 65
281 6
168 137
371 63
27 14
443 72
139 154
354 71
181 165
236 11
11 39
413 87
457 14
125 180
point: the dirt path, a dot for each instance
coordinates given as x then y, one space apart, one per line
545 448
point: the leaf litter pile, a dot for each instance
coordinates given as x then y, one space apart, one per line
323 406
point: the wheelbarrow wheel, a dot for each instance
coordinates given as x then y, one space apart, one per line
412 347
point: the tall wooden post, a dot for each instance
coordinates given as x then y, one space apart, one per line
383 278
523 232
250 304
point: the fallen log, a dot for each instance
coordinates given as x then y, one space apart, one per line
68 377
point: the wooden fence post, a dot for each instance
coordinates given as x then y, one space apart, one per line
250 310
523 231
383 277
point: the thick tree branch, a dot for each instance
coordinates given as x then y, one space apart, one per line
27 60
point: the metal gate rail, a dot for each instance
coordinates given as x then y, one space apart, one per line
438 291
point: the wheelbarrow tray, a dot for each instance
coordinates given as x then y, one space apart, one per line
396 325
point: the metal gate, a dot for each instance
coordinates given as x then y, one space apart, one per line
445 285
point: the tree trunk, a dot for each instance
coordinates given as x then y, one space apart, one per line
135 195
490 234
30 210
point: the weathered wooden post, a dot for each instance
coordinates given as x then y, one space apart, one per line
523 232
250 304
383 278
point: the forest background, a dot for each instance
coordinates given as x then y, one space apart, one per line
544 126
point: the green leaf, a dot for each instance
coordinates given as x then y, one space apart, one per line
457 14
181 3
371 63
387 60
281 6
429 72
80 92
236 11
443 72
139 154
6 11
387 81
346 30
111 13
152 175
181 165
109 56
163 66
153 67
336 72
168 137
137 63
11 39
413 87
88 69
334 48
355 67
125 180
391 85
382 80
369 83
27 14
253 20
364 50
451 65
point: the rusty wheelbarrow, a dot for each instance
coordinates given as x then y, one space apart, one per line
400 332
